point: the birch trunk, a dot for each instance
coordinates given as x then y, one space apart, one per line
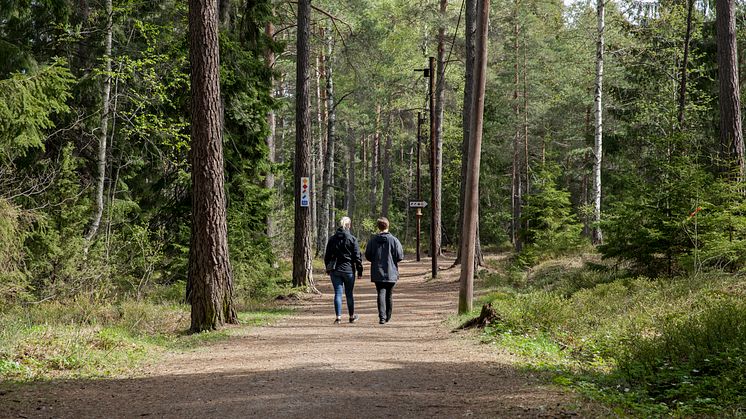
597 235
103 128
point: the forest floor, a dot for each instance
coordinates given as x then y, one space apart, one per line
304 366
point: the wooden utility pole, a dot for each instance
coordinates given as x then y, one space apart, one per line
420 121
471 208
434 198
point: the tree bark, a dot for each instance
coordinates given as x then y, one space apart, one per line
685 63
439 104
386 200
302 269
466 281
326 220
596 234
470 29
269 180
731 134
103 127
350 198
320 156
516 177
374 165
210 280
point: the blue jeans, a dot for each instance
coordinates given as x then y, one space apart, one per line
346 281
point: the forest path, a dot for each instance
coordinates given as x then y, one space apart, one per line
304 366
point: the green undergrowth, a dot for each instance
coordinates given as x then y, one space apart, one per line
79 339
648 347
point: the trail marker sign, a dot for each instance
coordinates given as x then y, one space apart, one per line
417 204
305 192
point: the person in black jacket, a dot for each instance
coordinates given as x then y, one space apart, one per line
342 258
384 251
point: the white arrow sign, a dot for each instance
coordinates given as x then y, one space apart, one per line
417 204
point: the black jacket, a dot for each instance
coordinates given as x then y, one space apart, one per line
384 251
343 247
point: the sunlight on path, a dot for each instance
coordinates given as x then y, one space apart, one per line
304 366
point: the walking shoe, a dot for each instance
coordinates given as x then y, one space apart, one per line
382 321
354 318
337 321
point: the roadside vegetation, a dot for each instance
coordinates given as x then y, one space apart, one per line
646 345
88 338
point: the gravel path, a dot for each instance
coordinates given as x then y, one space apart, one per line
304 366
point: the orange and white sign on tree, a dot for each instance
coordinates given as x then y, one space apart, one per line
305 192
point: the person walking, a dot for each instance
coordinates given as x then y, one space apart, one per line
342 258
384 251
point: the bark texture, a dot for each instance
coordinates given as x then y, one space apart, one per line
269 180
471 215
103 128
470 28
731 134
302 269
210 282
596 234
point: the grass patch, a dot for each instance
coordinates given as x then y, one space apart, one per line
648 346
82 340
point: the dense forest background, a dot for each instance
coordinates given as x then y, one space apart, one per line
668 206
95 192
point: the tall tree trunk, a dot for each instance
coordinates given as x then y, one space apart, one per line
471 27
439 104
319 156
386 177
302 268
210 281
597 235
374 153
517 188
225 12
326 221
526 155
269 180
350 198
103 127
685 63
466 282
731 134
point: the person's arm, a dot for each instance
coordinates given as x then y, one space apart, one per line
358 259
399 251
329 252
369 251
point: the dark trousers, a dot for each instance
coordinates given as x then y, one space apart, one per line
385 290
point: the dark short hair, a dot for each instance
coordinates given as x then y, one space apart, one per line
382 223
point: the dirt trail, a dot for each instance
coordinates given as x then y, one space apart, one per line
304 366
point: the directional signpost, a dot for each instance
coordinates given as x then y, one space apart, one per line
417 204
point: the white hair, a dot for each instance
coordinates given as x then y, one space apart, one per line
345 222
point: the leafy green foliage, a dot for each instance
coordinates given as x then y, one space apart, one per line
27 103
552 227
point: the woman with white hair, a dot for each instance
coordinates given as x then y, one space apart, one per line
342 258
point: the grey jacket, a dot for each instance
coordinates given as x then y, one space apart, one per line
384 251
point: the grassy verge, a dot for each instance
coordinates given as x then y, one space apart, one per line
78 339
649 346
